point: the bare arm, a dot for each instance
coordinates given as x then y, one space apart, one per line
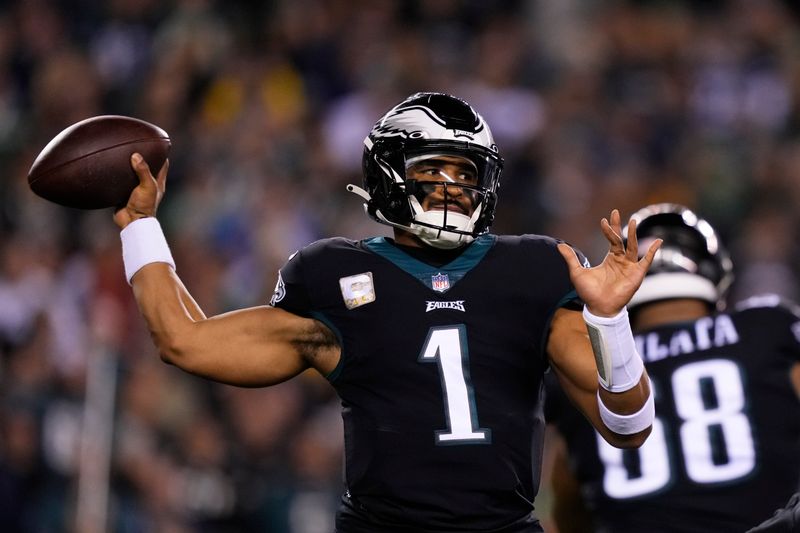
573 361
606 290
252 347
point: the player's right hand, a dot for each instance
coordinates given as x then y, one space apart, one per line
144 199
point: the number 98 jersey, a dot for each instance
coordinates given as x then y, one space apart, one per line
440 377
723 453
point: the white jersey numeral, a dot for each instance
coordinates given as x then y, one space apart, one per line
447 346
715 435
726 417
654 470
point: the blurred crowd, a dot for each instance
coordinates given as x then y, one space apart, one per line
594 104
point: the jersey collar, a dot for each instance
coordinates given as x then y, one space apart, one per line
427 274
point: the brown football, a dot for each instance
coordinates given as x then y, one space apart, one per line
87 166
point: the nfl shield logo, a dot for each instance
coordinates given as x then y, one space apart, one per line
440 282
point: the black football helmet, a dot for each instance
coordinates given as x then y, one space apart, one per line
424 125
691 263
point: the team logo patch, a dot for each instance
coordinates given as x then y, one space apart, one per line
440 282
457 305
357 290
279 292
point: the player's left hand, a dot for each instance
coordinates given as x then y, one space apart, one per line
607 287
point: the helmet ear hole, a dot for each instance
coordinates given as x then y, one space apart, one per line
398 201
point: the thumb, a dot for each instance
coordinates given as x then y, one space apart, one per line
569 256
142 169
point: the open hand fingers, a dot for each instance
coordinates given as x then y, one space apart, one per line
632 249
616 225
161 180
651 253
612 231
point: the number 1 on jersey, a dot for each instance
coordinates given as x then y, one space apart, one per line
447 346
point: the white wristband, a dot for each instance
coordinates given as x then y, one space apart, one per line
628 424
619 366
143 242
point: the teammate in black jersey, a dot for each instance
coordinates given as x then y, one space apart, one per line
436 340
723 453
784 520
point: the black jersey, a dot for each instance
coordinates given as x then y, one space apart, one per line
724 452
440 377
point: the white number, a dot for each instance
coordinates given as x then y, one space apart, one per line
655 473
732 457
727 415
447 346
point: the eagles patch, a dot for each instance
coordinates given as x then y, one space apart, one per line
357 290
279 292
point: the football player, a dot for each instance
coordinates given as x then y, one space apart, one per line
723 451
436 340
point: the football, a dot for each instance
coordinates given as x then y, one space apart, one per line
87 166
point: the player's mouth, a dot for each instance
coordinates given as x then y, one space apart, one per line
453 207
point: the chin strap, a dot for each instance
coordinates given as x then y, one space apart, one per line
433 233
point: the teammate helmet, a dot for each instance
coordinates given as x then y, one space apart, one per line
691 263
428 124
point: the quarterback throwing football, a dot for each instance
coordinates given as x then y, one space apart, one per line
436 340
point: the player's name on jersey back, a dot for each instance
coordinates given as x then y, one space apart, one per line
703 334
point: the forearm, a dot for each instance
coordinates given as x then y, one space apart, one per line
189 302
624 397
629 401
582 388
571 356
620 409
168 309
163 300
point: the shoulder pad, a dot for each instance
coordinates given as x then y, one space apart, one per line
766 301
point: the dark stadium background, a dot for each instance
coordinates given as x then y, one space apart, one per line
595 104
